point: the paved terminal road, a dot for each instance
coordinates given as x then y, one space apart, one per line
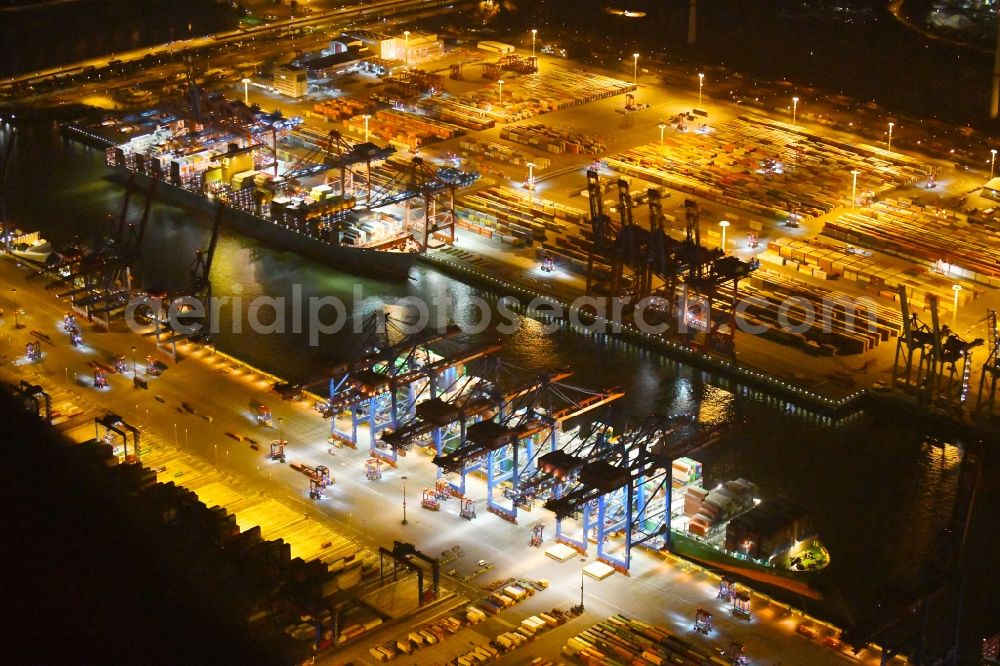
376 9
371 511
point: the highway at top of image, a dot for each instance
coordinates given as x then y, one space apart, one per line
378 9
370 511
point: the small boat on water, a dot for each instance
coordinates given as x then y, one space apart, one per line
30 247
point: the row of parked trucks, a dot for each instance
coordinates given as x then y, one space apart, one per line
505 594
427 635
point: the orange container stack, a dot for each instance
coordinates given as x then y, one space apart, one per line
335 110
404 129
767 167
553 139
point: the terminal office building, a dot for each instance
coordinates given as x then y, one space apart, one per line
292 80
343 56
351 52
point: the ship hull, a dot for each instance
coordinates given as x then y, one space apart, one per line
388 265
690 548
37 256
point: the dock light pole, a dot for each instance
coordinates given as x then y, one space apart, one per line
993 159
701 84
662 127
246 91
582 574
854 187
534 33
889 144
366 117
954 315
531 176
500 84
13 296
725 225
404 500
795 108
635 69
406 48
135 371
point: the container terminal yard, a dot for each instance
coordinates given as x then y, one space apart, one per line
548 205
434 502
201 424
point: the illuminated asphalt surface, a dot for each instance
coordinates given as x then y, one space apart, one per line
333 16
369 511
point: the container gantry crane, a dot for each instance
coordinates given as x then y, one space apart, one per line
991 367
477 395
611 487
449 407
952 382
627 260
34 398
917 350
711 283
115 425
406 555
469 452
435 187
932 362
526 425
389 369
536 425
427 384
602 236
201 267
558 467
101 281
334 153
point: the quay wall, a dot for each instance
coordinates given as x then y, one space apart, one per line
714 362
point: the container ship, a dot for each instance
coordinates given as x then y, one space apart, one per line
351 206
731 526
28 246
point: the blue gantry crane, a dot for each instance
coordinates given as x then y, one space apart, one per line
440 420
615 491
390 373
506 446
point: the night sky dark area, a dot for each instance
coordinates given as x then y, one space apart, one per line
61 32
852 46
85 581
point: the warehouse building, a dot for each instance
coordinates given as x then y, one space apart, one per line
347 59
991 190
412 48
291 80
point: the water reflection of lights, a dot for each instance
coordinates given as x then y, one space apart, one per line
685 396
533 337
532 327
716 405
948 456
627 13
